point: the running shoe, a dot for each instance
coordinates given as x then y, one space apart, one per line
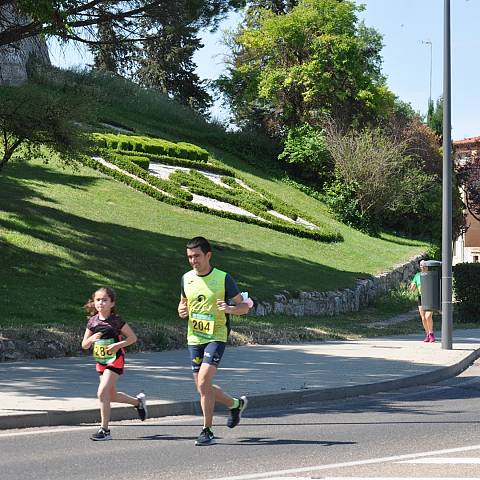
101 435
427 338
142 406
205 438
432 338
236 413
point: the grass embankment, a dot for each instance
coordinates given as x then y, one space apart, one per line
64 232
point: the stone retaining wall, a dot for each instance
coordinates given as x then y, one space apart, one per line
337 301
14 58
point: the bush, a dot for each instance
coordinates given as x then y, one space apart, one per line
151 145
306 150
142 162
342 201
466 286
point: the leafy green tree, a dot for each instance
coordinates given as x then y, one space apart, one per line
278 7
78 19
44 113
110 52
317 58
165 61
435 116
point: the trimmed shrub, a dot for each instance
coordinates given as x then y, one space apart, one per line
182 162
165 185
151 145
466 286
322 233
142 162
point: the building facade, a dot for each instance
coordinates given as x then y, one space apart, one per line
467 246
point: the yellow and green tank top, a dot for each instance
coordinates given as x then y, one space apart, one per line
205 322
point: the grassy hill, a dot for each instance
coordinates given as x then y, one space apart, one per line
64 231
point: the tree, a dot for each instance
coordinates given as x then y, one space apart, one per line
77 19
468 175
373 171
111 54
165 61
42 113
290 69
278 7
435 116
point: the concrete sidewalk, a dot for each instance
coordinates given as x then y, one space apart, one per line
62 391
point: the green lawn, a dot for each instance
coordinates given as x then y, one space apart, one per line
64 232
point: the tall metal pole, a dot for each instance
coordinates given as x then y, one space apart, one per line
447 311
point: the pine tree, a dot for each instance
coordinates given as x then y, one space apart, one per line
166 61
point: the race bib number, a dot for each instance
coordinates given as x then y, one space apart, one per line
100 353
203 324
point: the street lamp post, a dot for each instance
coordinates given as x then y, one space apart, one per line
447 311
429 42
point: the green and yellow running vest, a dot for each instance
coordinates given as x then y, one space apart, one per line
205 322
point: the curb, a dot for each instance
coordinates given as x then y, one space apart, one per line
155 410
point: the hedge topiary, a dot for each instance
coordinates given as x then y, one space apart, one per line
181 162
466 286
151 145
322 233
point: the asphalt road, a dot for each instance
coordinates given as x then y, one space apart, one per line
427 432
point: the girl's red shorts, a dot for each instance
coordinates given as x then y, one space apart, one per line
116 366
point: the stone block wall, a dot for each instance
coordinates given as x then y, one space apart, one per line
337 301
15 57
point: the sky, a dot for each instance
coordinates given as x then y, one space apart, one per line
404 24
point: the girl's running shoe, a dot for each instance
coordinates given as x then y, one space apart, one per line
101 435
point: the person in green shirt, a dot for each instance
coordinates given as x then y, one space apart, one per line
425 315
208 297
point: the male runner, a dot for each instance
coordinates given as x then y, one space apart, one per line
208 297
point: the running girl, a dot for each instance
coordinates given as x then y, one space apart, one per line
109 335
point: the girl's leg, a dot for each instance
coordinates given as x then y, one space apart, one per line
120 397
104 394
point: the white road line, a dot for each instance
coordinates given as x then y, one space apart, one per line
316 468
118 423
446 460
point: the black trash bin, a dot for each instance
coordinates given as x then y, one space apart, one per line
430 284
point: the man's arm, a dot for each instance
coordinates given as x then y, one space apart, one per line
240 307
183 307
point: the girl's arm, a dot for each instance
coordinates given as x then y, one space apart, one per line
89 337
129 339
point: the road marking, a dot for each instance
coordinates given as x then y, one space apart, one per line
446 460
119 423
370 461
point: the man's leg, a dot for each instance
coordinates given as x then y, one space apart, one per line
210 393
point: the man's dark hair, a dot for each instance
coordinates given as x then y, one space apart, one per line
200 242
